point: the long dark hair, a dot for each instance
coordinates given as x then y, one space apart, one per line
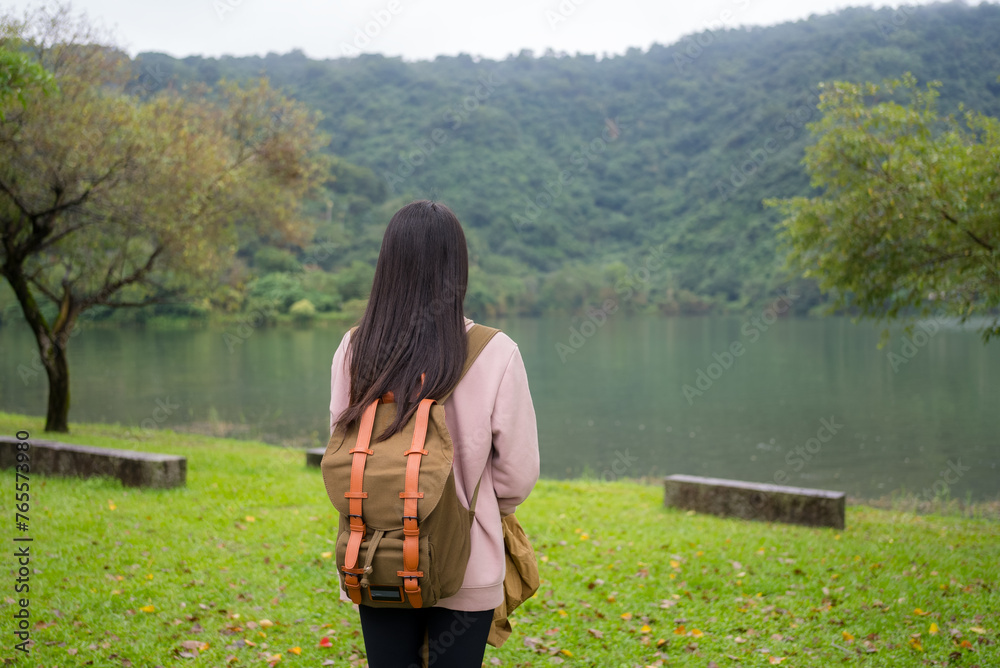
414 323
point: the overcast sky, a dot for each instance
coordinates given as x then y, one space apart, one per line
423 29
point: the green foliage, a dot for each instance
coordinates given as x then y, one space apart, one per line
322 289
19 73
559 165
278 290
303 311
269 259
909 217
355 281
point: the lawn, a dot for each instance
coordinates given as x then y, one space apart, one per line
235 570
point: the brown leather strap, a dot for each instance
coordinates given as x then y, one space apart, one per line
410 495
360 451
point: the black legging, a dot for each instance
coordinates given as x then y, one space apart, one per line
394 637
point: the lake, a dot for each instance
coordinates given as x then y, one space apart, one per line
806 402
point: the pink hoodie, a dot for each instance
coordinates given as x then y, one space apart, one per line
492 423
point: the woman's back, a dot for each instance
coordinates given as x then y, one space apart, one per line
412 342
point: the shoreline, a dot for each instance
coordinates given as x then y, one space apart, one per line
907 503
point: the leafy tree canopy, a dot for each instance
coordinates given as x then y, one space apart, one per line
909 216
109 200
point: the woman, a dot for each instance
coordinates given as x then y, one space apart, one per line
413 326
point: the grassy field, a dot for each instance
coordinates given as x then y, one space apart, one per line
235 569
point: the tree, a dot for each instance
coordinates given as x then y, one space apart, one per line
909 219
18 72
111 199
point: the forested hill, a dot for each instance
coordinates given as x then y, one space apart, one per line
565 170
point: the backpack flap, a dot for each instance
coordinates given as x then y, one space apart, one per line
385 468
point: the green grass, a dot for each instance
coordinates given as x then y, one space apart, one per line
625 581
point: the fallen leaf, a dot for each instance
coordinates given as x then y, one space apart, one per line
847 636
250 518
264 623
326 555
566 652
977 629
295 650
695 633
597 634
626 616
148 608
933 629
915 644
111 505
325 642
660 642
646 628
918 611
680 630
775 660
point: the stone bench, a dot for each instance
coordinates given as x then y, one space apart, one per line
755 501
133 468
314 456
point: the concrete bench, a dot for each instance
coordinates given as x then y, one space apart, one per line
755 501
314 456
133 468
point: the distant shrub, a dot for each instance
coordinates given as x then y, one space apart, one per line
269 259
302 311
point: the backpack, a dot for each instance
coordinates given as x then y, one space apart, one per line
403 537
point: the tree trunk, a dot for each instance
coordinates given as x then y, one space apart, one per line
51 349
57 368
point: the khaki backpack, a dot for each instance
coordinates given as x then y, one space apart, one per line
403 538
